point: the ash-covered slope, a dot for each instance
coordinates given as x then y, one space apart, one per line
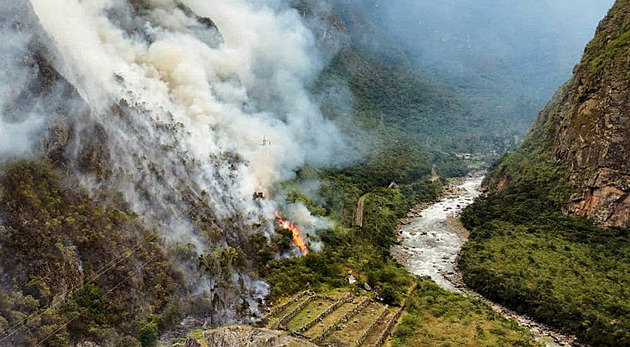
586 127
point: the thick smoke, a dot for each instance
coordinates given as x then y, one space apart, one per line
242 89
193 106
19 131
308 223
229 97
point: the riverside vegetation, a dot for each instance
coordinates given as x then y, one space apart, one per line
526 254
433 316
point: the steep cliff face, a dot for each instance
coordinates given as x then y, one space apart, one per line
593 131
586 127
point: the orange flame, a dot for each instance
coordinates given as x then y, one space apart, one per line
298 240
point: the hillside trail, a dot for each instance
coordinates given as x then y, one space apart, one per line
358 214
430 238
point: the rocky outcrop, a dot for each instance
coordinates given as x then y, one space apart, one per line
593 126
605 198
242 336
586 127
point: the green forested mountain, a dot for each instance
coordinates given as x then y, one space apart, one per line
551 238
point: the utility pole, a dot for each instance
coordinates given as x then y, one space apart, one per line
266 142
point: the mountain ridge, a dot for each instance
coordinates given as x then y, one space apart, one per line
584 128
551 238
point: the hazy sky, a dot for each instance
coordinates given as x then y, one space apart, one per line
544 37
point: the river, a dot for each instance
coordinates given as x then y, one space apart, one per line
428 245
430 238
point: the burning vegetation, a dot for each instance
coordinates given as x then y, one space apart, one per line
298 240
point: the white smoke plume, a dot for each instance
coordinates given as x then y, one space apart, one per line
199 104
18 130
225 92
309 224
228 97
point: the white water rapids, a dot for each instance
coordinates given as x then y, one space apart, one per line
429 245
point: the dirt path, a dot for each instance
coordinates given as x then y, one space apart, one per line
430 240
358 214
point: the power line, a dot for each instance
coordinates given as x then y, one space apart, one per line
105 295
18 326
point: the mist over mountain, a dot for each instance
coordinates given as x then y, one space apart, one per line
501 59
453 37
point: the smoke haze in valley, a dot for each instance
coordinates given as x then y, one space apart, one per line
17 130
540 40
519 50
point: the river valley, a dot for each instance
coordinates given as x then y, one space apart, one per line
430 238
428 245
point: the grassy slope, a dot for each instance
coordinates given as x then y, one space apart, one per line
393 100
436 317
395 108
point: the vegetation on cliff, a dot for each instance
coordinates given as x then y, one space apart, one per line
525 251
74 269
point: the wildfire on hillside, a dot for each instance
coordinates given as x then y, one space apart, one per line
298 240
